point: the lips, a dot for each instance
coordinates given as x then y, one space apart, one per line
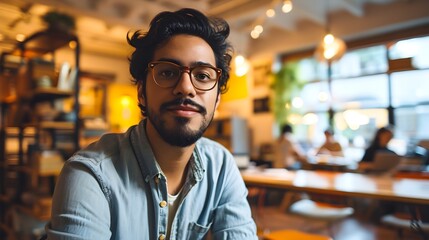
186 108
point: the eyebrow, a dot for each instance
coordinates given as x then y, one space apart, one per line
193 64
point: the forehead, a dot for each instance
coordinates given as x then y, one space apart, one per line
185 49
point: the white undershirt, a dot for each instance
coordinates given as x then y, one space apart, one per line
173 204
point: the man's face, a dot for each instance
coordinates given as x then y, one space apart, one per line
181 114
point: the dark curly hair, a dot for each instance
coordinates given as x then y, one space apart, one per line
184 21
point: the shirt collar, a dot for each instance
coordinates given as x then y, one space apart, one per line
146 158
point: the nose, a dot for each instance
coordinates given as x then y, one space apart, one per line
184 85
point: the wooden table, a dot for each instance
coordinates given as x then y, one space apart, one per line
405 190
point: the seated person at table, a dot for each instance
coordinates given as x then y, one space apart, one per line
331 146
379 144
288 153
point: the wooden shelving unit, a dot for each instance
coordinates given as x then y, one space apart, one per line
39 161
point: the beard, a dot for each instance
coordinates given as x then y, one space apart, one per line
180 134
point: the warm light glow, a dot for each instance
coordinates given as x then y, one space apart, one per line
294 118
287 105
72 44
287 6
242 66
270 13
328 39
1 37
310 119
239 60
355 119
254 34
125 101
331 48
20 37
297 102
259 29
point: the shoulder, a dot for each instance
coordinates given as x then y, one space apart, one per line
212 148
213 154
99 155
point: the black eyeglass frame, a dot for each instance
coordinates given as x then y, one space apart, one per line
186 69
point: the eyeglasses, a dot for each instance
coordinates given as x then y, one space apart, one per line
167 75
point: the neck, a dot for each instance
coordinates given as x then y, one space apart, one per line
173 160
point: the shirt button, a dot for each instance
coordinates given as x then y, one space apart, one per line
163 204
161 237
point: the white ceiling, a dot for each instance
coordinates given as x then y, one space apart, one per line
102 25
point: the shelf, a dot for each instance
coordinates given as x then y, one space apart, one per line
38 161
48 94
38 172
41 209
56 125
43 42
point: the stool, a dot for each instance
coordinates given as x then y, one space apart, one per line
322 211
293 234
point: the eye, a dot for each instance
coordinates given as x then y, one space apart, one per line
204 74
166 72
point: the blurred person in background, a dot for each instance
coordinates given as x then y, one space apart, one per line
330 146
381 139
288 152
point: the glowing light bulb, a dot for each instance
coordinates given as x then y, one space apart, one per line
259 29
270 13
287 6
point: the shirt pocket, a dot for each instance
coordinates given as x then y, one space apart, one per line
197 231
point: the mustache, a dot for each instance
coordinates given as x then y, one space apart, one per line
183 101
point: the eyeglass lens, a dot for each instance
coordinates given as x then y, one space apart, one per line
167 75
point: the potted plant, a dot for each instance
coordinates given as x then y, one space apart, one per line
58 21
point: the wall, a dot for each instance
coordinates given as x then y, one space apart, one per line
237 103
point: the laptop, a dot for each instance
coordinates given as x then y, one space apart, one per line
385 162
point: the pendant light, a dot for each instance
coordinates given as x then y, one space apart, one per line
331 48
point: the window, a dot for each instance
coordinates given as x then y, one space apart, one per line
367 85
360 92
410 88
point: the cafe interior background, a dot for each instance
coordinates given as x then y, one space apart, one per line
375 73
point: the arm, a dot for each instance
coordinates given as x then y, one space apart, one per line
298 152
80 209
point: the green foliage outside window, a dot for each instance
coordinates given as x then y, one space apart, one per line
285 85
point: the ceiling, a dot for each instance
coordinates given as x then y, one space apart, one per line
102 25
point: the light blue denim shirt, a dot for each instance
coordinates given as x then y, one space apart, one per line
114 190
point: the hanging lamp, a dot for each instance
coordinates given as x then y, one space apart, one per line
331 48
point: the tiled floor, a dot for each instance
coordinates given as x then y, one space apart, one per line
348 229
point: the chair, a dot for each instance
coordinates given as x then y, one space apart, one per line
293 234
321 211
401 224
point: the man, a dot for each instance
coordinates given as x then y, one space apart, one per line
288 152
160 179
330 146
